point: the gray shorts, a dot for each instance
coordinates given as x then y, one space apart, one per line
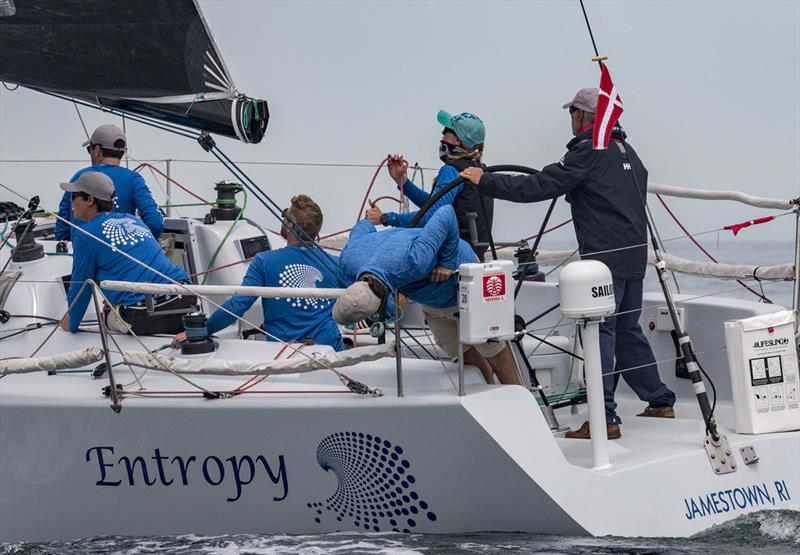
444 325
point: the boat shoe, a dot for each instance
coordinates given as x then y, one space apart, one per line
583 432
658 412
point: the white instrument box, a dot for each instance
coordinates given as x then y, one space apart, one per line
762 357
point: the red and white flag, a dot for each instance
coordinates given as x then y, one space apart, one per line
609 109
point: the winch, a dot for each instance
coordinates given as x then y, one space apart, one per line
197 340
225 208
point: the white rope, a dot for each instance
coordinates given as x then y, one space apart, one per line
71 359
220 367
702 194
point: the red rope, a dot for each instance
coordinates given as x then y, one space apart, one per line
168 178
221 267
704 251
385 197
369 189
545 232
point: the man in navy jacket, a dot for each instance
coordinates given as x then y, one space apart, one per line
608 212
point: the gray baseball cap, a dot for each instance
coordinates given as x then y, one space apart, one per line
105 136
585 99
96 184
357 303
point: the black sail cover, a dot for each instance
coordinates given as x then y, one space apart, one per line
150 57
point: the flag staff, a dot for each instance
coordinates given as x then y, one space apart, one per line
716 445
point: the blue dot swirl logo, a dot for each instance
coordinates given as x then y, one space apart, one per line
376 489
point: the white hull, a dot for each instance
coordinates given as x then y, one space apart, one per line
485 461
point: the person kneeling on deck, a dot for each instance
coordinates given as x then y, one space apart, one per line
298 264
116 246
420 263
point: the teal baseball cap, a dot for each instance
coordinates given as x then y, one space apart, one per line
468 127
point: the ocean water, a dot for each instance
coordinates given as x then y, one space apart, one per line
764 532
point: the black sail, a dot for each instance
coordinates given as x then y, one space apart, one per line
150 57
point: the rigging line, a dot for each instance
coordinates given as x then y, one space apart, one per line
125 132
152 168
200 161
80 118
168 280
158 182
591 35
53 331
545 232
704 251
663 248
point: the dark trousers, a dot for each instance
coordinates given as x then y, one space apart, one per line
143 323
622 346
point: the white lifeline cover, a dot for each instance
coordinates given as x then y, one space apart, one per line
762 357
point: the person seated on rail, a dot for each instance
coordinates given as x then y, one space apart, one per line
115 246
461 147
106 147
299 264
420 263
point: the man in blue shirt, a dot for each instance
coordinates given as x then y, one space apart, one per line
106 148
100 254
420 263
461 147
305 320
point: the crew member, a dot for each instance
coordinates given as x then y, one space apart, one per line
305 320
610 222
420 263
461 147
106 147
103 257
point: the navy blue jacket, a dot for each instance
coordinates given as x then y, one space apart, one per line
608 211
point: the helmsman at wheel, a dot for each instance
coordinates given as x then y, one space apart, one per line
610 222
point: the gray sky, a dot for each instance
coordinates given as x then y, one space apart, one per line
711 91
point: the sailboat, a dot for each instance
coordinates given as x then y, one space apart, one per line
109 434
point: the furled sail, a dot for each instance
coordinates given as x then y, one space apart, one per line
150 57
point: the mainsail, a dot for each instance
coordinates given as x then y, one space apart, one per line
155 58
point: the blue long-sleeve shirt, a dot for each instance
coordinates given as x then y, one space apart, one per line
419 197
293 319
130 194
92 259
404 258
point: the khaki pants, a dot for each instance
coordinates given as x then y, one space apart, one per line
444 325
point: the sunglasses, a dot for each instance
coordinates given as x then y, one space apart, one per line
573 109
83 196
